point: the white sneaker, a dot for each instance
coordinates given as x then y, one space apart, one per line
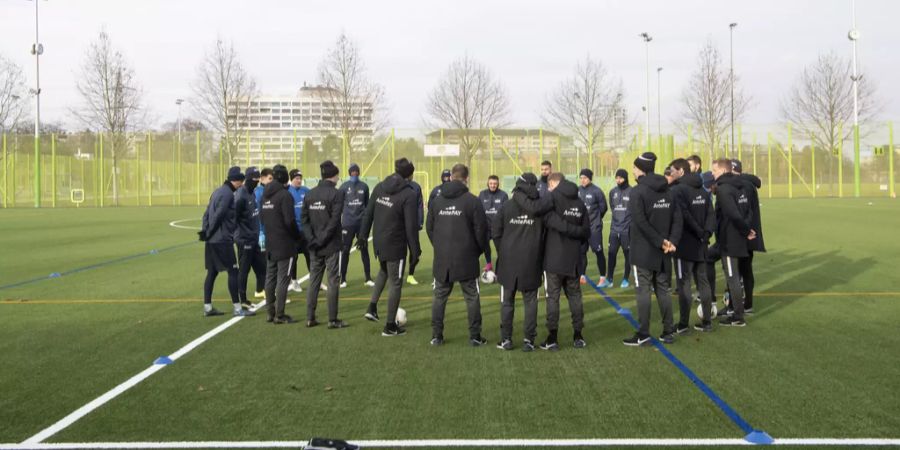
323 287
343 284
260 294
370 283
295 286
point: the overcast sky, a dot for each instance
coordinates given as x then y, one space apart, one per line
530 45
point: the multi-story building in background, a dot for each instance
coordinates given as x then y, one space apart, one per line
277 126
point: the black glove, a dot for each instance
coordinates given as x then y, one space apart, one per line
362 244
202 235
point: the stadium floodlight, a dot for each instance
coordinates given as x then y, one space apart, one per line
37 49
647 38
179 101
659 101
853 36
731 27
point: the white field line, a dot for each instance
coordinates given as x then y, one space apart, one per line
175 223
133 381
419 443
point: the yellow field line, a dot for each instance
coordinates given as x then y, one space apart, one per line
195 300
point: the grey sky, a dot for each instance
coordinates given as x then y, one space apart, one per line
407 45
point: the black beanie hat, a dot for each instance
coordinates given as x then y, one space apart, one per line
646 162
404 167
328 169
234 174
280 174
587 173
445 175
353 168
623 174
294 173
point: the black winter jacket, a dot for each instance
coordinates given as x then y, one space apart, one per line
699 219
321 218
458 231
392 217
568 228
733 216
654 218
277 216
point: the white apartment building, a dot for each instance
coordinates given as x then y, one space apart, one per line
276 126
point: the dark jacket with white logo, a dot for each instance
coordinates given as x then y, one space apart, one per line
420 204
595 202
321 218
654 218
733 216
519 237
618 203
699 219
458 231
436 191
219 219
392 217
568 228
752 183
356 198
277 216
246 231
492 202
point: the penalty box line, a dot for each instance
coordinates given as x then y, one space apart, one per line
753 435
157 365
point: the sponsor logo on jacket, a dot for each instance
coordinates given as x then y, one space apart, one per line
661 204
742 199
355 202
317 206
450 211
385 201
699 200
572 212
268 205
522 220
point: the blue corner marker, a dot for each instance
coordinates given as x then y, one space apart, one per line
54 275
624 311
163 360
759 437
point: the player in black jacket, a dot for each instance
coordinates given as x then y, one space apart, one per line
568 228
655 227
277 216
457 229
519 238
392 217
734 232
752 183
321 225
492 199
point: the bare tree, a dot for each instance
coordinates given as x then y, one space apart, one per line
707 99
820 104
111 99
585 104
354 102
13 101
468 99
223 92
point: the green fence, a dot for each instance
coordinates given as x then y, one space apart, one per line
151 169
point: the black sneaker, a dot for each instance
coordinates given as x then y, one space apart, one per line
392 329
636 341
682 329
246 304
243 313
372 313
704 327
527 345
311 323
213 312
732 322
725 312
578 340
667 338
477 341
505 344
552 346
270 319
285 319
437 341
334 324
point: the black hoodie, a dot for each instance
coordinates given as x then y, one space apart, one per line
733 216
458 231
321 218
654 217
519 236
752 183
568 228
393 213
699 219
277 216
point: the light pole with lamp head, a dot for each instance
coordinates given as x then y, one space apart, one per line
731 27
647 38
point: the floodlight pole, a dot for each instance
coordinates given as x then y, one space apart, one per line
37 49
853 35
659 102
731 27
647 38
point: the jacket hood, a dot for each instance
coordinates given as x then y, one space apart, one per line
729 178
453 189
654 181
567 189
271 189
393 184
692 179
753 179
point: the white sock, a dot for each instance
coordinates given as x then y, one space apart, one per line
207 307
237 307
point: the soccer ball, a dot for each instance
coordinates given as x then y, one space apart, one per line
401 316
714 311
488 277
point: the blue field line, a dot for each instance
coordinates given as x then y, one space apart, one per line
752 435
94 266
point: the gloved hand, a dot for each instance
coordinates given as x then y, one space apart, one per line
202 235
361 244
488 267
